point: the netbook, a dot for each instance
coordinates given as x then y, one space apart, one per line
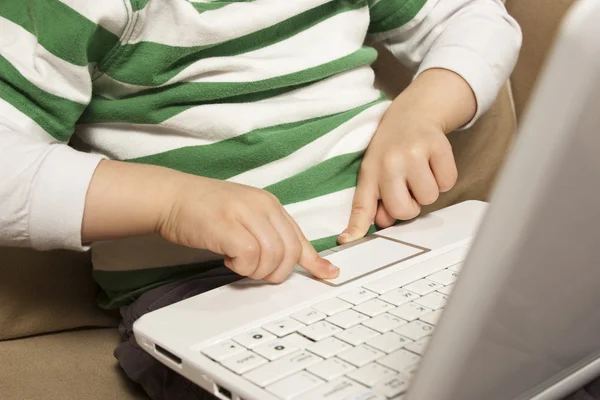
470 302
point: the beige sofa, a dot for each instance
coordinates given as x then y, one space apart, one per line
56 344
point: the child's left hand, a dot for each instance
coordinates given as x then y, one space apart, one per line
409 160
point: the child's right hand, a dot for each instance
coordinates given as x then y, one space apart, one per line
248 226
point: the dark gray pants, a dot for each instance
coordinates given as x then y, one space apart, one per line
162 383
157 380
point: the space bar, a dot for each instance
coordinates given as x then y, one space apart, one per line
418 271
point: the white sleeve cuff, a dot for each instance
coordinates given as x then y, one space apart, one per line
472 68
58 197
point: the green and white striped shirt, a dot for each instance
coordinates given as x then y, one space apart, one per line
277 94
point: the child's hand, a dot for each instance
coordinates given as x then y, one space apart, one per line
409 160
248 226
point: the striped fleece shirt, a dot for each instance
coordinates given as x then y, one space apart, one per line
277 94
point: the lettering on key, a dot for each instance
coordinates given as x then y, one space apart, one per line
274 350
222 350
331 369
384 323
358 296
319 330
415 330
347 318
283 327
309 316
393 386
398 296
444 277
434 300
410 311
360 355
340 389
254 338
374 307
357 334
244 362
423 286
332 306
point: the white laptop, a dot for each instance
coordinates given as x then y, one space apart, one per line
521 322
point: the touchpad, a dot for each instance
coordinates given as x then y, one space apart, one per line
370 256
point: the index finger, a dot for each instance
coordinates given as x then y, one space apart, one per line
310 260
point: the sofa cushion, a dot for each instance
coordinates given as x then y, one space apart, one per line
540 21
69 365
47 291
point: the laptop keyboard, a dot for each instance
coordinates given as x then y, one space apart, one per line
363 344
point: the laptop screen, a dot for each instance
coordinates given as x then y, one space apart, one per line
526 311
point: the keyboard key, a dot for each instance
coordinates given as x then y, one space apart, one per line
456 267
357 334
254 338
419 346
374 307
446 290
222 350
244 362
389 342
331 369
283 327
340 389
415 330
332 306
309 316
432 318
410 311
358 296
276 349
400 360
370 374
444 277
328 347
434 300
347 318
384 323
424 268
393 386
399 296
298 341
360 355
423 286
279 369
319 330
294 385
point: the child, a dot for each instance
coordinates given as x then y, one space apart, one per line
231 133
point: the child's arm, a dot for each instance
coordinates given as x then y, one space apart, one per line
463 50
47 189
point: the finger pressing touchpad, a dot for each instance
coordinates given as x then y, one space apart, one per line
370 256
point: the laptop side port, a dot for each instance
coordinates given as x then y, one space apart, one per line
224 393
167 354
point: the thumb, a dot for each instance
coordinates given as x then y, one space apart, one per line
364 207
310 260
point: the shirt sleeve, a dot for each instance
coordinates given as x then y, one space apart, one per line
477 39
47 52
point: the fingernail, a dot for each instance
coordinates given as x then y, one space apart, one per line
345 235
332 269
